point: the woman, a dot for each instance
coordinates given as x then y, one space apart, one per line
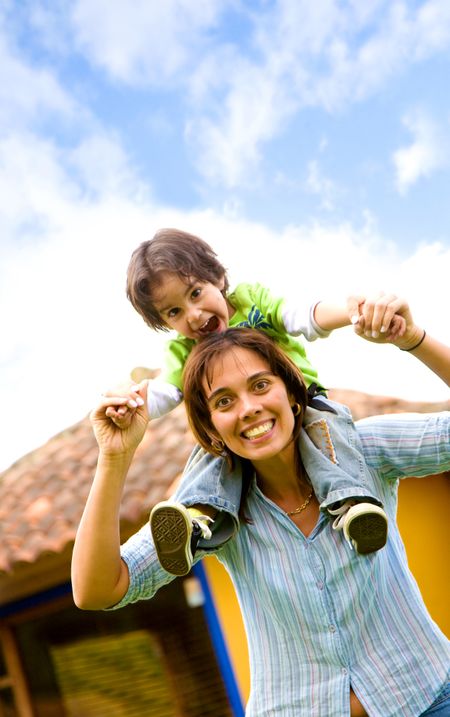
330 632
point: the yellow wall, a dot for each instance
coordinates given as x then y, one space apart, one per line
423 520
230 619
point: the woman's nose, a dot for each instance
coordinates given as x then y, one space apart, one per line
249 406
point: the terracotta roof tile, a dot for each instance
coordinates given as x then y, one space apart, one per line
43 494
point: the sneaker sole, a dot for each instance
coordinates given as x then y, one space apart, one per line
368 532
171 532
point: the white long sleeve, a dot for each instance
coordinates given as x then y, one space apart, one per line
300 321
162 397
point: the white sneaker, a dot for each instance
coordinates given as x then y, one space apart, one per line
365 525
176 531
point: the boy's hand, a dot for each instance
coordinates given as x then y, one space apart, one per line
132 391
377 319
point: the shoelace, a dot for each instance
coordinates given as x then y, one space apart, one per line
201 521
341 512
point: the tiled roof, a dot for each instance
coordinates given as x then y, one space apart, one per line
43 494
366 404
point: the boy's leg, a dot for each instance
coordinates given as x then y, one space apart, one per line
208 490
346 490
176 531
364 525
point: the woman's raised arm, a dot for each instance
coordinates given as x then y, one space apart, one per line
414 340
99 575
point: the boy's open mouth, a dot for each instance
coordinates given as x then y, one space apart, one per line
209 326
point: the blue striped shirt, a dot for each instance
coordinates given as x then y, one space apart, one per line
319 617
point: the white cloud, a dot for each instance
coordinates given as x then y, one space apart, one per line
318 183
27 92
71 214
146 43
48 21
42 184
432 28
34 189
367 50
428 152
253 110
294 54
103 167
69 331
300 55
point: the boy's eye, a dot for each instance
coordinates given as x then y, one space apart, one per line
172 313
196 293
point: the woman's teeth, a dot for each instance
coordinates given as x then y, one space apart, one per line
258 430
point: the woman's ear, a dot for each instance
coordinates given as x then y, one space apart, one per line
295 406
216 442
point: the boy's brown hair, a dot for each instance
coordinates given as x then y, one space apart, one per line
174 251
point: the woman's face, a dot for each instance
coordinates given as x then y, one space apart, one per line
249 406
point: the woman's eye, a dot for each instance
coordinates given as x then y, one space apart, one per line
261 385
223 402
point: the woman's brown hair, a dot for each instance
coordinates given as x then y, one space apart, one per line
200 366
174 251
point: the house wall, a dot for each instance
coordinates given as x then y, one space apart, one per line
423 522
153 657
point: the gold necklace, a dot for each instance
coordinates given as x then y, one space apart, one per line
302 507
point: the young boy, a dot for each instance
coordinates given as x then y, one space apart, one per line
175 281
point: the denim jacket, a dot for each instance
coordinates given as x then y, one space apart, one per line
331 454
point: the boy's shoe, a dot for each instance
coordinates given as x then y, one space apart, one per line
365 525
176 531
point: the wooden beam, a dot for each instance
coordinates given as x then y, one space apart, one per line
15 673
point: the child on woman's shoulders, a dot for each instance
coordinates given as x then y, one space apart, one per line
175 281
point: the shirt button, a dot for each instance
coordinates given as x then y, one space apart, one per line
344 671
320 585
332 628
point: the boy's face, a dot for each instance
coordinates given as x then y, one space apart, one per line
194 308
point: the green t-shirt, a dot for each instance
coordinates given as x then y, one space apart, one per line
256 308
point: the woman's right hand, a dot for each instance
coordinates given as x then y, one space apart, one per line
116 432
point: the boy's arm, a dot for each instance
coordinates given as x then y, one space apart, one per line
163 393
332 316
162 397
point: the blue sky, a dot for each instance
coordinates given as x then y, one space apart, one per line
308 142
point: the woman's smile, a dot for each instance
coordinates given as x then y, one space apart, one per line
259 431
